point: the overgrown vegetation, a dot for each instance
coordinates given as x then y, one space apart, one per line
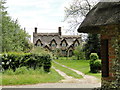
24 76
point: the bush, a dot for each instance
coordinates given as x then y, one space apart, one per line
94 56
79 53
14 60
95 63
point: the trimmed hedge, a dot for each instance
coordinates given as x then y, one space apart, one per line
14 60
95 63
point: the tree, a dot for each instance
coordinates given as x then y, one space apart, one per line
92 45
13 37
79 53
75 14
77 11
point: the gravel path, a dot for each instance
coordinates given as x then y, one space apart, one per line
68 81
86 78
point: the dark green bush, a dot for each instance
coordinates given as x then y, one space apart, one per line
14 60
95 63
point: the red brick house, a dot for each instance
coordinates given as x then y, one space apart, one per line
52 41
104 19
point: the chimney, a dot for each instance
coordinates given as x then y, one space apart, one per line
59 31
35 29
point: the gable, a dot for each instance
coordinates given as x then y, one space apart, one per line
64 42
76 43
38 43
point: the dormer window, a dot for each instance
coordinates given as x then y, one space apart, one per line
53 43
76 43
38 43
63 44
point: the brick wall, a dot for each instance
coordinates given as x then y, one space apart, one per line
110 36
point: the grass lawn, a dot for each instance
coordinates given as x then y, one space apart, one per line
80 65
33 78
67 71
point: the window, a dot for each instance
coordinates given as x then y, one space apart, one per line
63 44
63 52
38 43
76 44
53 44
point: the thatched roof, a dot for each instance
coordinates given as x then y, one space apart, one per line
46 38
104 13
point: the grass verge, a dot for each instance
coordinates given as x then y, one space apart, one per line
33 78
67 71
80 65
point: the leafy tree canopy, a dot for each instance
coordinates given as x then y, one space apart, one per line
14 38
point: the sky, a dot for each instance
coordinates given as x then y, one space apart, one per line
46 15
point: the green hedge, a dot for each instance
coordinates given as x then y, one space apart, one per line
95 63
14 60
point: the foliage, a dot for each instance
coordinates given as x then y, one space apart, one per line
78 52
92 45
40 51
94 56
75 14
95 63
14 60
21 70
30 77
13 37
56 53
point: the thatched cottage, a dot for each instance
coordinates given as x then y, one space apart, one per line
104 19
52 41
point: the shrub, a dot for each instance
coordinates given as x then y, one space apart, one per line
79 53
94 56
95 63
14 60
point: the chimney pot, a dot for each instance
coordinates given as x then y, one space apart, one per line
59 31
35 29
